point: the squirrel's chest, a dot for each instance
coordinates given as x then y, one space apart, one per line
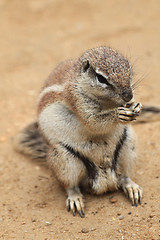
100 165
100 151
99 162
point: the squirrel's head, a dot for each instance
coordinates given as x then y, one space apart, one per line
106 74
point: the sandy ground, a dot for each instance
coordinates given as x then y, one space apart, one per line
35 37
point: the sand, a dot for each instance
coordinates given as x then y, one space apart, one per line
35 37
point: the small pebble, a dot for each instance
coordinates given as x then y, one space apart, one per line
84 230
121 217
113 200
48 223
93 229
129 213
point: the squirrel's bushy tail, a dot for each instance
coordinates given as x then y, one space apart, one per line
149 114
31 142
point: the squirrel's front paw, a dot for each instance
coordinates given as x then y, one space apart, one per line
129 112
135 107
132 190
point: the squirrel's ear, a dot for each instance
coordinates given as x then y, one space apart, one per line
85 65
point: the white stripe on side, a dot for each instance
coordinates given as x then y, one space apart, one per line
53 88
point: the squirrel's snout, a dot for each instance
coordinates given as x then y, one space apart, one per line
127 95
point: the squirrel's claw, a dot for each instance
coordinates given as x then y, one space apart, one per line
75 202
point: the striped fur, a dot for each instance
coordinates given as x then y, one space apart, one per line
118 149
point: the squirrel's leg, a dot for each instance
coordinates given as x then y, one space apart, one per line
126 159
70 171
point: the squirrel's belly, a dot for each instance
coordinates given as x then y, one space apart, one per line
104 182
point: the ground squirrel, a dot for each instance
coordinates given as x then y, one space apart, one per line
83 126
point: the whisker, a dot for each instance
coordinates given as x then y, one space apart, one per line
136 84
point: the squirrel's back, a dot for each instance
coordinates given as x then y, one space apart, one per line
30 141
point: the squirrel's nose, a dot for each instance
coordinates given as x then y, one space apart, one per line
127 95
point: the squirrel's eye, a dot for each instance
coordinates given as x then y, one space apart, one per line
102 80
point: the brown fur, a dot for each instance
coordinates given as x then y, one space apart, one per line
49 98
111 63
59 74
